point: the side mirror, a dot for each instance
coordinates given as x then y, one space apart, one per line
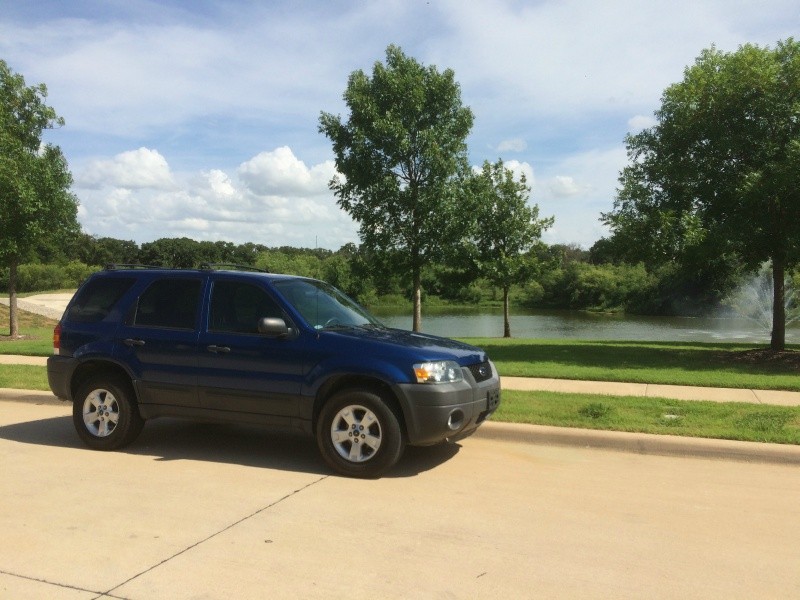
273 327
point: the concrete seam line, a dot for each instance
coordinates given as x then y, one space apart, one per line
53 583
217 533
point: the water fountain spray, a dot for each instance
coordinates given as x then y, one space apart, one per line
753 299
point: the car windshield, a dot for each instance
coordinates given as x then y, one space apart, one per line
323 306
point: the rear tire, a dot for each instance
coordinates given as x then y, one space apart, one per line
105 413
359 435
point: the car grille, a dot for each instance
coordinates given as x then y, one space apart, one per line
481 371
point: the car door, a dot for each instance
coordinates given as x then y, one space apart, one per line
242 370
159 340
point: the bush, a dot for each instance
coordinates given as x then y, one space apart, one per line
42 278
584 286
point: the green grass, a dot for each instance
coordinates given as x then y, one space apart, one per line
732 421
23 377
37 332
671 363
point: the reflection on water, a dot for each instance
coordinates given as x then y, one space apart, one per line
586 326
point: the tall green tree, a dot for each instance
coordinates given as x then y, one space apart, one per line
721 168
506 229
35 201
400 155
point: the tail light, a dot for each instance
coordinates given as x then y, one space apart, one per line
57 339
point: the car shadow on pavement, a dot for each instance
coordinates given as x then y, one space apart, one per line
174 439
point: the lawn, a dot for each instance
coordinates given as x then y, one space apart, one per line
675 363
732 421
36 331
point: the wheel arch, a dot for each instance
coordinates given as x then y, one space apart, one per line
338 383
91 369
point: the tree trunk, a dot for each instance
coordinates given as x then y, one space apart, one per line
417 321
13 326
506 323
778 342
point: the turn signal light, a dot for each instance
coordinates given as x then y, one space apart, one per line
57 339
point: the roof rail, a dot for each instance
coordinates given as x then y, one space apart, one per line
117 266
229 266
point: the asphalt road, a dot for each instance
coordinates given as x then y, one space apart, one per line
209 511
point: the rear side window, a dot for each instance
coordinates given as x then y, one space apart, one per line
96 299
169 303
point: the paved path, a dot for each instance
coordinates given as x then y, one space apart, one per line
650 390
48 305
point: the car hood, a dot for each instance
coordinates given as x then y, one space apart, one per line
432 347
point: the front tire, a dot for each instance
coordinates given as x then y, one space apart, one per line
359 435
105 414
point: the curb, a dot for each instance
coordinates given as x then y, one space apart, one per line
641 443
33 396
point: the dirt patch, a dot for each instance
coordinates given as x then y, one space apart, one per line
789 359
21 338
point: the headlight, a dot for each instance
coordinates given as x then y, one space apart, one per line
443 371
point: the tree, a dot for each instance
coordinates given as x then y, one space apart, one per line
35 201
400 155
720 171
506 228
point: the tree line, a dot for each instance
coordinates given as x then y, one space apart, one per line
558 276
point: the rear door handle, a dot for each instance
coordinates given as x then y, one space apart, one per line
214 348
133 342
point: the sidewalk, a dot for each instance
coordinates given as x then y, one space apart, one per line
650 390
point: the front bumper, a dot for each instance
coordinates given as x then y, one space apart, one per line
437 412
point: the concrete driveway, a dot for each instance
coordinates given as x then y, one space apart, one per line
210 511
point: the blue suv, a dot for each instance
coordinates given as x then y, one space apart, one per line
278 350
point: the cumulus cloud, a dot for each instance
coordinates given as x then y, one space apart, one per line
520 168
280 172
515 145
563 186
136 169
274 199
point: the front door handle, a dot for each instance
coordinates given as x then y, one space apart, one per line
215 349
133 342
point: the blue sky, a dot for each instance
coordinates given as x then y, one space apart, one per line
199 118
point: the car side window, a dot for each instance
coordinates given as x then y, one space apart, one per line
171 303
237 307
96 299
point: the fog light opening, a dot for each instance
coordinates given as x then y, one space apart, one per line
456 420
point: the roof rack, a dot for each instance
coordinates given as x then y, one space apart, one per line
117 266
229 266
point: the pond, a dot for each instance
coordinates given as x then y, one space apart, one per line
586 326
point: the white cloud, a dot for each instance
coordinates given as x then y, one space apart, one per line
276 201
563 186
639 122
520 168
513 145
136 169
280 172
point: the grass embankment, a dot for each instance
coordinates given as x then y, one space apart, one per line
731 421
719 365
